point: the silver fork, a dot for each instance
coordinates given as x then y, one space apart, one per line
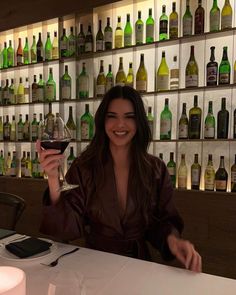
55 262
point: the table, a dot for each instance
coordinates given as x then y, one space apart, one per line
108 274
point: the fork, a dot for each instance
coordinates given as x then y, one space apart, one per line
55 262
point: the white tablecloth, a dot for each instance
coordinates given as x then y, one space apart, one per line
107 274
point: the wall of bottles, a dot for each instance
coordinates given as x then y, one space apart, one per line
218 31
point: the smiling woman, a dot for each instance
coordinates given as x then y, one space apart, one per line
124 196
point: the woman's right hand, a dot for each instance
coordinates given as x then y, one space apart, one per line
49 160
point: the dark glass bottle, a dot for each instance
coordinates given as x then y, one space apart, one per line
171 166
195 173
212 69
39 49
221 177
234 124
223 120
233 175
195 115
199 19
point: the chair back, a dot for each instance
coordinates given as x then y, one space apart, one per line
11 208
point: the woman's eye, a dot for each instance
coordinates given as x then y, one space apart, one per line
110 116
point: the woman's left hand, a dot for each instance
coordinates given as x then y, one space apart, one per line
184 251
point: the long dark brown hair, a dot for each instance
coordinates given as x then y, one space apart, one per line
96 153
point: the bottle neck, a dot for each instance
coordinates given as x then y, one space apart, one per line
225 55
212 58
222 164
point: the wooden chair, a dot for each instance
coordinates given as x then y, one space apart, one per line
11 208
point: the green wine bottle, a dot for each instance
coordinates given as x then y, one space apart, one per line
10 55
171 166
20 128
139 30
71 43
109 78
89 40
33 51
64 44
209 130
48 48
26 128
163 31
187 21
83 83
214 17
223 121
128 32
81 41
34 128
224 68
150 27
166 122
108 35
50 89
100 38
4 55
87 124
195 116
70 158
150 119
65 84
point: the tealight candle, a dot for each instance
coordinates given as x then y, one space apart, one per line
12 281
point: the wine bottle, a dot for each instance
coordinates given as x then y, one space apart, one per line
209 175
171 166
13 169
199 19
6 129
233 175
20 92
2 164
33 51
8 164
226 16
4 56
195 173
81 41
50 89
71 124
87 124
10 55
109 78
235 72
64 44
234 127
83 83
174 74
141 76
48 48
128 32
89 40
55 50
161 156
20 128
166 122
119 34
195 115
101 81
163 74
108 35
70 158
214 17
34 128
100 38
19 54
1 128
182 173
224 68
187 21
191 72
223 120
35 166
71 43
13 129
150 27
212 69
26 128
40 92
34 87
12 92
163 30
27 90
65 84
221 177
173 26
5 98
209 130
139 30
120 75
28 166
150 119
183 124
130 76
39 47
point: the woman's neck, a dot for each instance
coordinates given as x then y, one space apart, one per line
120 155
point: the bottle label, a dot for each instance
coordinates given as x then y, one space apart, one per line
48 54
233 177
84 130
100 90
195 122
209 131
162 82
109 84
187 27
212 74
26 55
174 28
12 97
224 78
209 179
118 41
221 185
27 172
65 92
73 133
163 26
182 181
215 22
149 31
195 176
108 36
139 33
99 45
226 21
88 47
20 98
165 126
49 92
191 81
141 86
20 133
34 131
6 94
120 83
7 131
54 52
19 59
33 56
10 57
183 131
34 94
40 94
174 74
63 45
171 171
127 40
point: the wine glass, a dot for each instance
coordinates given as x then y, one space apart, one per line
54 134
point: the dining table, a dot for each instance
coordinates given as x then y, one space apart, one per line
91 272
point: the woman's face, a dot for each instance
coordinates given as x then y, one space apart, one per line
120 124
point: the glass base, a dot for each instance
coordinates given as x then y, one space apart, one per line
67 187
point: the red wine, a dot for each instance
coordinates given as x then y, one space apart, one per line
56 145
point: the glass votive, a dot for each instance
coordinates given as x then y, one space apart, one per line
12 281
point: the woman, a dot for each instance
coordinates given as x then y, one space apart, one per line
124 196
